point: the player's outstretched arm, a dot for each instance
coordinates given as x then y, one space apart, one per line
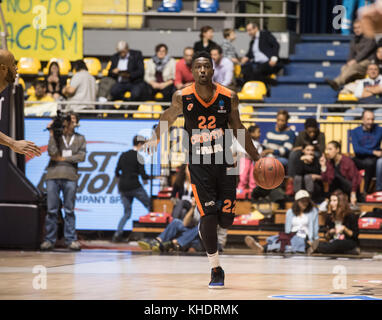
166 120
235 124
20 146
371 19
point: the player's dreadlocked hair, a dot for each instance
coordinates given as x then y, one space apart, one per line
201 54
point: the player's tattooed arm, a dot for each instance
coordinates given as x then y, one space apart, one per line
166 120
235 124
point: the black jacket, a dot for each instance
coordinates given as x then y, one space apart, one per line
267 45
198 46
135 66
129 168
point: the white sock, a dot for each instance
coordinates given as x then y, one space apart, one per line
214 259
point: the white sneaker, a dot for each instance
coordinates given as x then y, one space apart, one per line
253 244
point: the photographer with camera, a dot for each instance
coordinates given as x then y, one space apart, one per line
66 149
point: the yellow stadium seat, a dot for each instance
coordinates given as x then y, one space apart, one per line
22 82
347 97
105 71
246 109
28 65
104 21
30 91
127 94
159 96
253 90
94 65
237 70
63 63
273 76
335 119
136 6
148 108
117 106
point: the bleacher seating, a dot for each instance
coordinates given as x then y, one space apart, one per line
171 6
148 108
28 65
94 65
104 21
210 6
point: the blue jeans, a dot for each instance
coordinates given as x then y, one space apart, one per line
283 160
176 227
127 198
68 188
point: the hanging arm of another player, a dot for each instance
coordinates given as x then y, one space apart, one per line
235 124
166 120
20 146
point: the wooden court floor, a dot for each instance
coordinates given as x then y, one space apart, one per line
97 274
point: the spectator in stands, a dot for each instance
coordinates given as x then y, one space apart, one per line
128 71
279 142
229 50
361 53
368 91
82 87
341 226
246 179
179 235
205 43
40 94
55 81
223 68
378 59
308 173
181 194
310 135
183 73
262 58
340 171
130 166
160 73
300 231
366 140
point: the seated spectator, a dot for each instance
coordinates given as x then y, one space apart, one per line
341 226
82 87
300 232
55 81
361 53
368 91
378 59
40 94
308 173
246 165
205 43
366 140
178 236
229 50
183 73
160 73
310 135
279 142
340 172
262 58
181 194
223 68
128 71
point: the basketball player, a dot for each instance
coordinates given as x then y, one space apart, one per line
212 108
8 71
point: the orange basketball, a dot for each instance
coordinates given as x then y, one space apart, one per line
268 173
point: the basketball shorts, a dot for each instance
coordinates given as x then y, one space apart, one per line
214 190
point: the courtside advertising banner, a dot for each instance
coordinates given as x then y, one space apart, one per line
98 203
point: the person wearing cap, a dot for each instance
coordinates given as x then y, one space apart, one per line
128 70
300 232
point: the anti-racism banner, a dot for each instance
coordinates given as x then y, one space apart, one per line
44 28
98 202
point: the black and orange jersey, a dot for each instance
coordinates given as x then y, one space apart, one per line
206 124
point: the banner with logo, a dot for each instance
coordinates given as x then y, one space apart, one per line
44 29
98 203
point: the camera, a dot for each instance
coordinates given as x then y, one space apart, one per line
58 124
